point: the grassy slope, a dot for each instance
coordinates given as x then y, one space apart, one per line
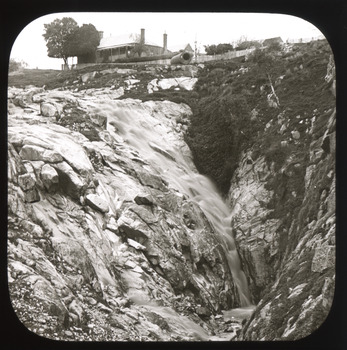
229 92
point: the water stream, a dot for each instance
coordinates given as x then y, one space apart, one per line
152 136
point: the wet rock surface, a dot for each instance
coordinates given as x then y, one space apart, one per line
288 257
102 245
110 235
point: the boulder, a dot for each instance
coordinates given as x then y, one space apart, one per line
135 244
190 69
75 309
48 110
187 83
31 152
108 71
143 199
88 76
152 86
37 153
51 156
98 120
50 178
165 84
126 71
203 311
131 82
26 182
151 180
133 229
44 291
324 258
31 196
295 135
69 181
97 203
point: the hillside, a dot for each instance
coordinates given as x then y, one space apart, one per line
267 126
174 202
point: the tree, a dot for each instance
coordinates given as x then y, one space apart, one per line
139 46
15 65
218 49
83 42
247 44
57 34
264 66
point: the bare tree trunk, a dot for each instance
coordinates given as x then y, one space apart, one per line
66 64
273 90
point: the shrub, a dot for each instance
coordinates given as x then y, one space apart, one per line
218 130
16 65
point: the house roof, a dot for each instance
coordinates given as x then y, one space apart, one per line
272 40
120 40
176 48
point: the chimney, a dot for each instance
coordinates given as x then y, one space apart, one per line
142 39
101 34
164 43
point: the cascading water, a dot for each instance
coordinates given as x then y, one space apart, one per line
144 131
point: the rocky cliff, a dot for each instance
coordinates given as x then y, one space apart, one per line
104 241
114 235
290 264
283 215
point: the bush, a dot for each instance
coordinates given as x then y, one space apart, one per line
218 49
248 44
219 128
16 65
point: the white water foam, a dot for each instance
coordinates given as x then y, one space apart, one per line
141 128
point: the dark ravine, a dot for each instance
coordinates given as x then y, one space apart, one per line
114 235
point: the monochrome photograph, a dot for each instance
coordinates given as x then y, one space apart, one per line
171 177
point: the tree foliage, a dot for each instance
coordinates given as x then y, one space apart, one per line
218 49
15 65
248 44
57 34
139 46
83 41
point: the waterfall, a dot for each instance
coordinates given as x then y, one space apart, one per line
205 194
152 136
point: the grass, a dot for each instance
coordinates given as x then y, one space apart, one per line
36 77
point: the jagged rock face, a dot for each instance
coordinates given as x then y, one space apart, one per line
105 245
255 233
289 259
282 197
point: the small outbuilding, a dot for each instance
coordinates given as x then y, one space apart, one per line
271 41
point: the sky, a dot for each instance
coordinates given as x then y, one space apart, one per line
181 28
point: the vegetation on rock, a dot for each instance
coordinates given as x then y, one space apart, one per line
264 124
218 49
236 103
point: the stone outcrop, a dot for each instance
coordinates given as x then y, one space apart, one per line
185 83
288 250
106 246
112 236
255 233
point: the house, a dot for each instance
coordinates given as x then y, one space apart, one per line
271 41
114 48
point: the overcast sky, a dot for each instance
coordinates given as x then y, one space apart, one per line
181 28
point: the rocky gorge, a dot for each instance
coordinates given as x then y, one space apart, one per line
114 235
